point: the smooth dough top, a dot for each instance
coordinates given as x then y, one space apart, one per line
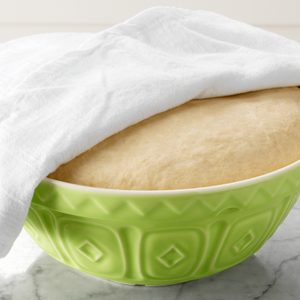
200 143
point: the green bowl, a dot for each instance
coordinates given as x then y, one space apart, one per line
160 237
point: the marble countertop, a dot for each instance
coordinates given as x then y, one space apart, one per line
27 273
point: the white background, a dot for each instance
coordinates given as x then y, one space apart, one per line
23 17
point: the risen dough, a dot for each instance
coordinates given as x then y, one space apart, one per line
201 143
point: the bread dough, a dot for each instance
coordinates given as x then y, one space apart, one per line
200 143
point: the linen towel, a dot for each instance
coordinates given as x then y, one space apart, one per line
61 94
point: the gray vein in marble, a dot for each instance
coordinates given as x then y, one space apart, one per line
277 274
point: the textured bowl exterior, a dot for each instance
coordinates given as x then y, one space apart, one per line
159 238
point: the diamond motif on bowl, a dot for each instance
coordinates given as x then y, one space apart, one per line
89 250
171 257
244 242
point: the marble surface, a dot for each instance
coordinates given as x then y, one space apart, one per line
272 274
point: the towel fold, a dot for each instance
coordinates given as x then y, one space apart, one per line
60 94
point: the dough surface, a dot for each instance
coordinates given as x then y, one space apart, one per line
200 143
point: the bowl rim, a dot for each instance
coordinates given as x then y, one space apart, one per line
206 189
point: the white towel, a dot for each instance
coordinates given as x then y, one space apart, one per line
60 94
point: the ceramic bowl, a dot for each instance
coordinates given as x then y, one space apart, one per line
160 237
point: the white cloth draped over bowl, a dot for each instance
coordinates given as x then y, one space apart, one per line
60 94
